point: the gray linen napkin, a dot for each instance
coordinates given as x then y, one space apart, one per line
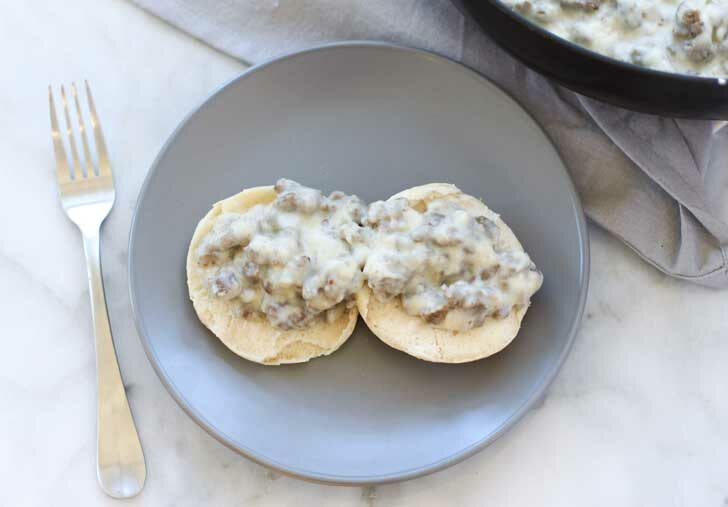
658 184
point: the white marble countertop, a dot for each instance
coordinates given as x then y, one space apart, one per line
638 415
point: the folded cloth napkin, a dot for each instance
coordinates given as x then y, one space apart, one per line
658 184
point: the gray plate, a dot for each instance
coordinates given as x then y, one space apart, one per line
370 119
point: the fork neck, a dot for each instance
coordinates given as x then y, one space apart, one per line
89 220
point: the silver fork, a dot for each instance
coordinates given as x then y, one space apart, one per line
87 197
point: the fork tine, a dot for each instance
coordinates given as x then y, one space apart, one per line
104 165
71 138
82 133
63 173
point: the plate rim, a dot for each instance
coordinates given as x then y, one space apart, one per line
363 480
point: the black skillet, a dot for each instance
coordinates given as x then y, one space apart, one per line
591 74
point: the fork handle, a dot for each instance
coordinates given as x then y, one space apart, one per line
120 460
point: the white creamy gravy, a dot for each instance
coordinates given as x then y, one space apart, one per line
290 261
304 256
449 267
687 37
